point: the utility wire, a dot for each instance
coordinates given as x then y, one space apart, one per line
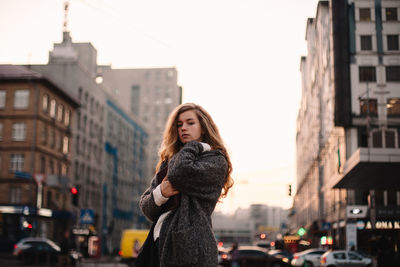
117 15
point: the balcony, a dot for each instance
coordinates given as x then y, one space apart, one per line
371 168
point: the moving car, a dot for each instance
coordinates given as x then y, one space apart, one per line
308 258
337 258
132 241
39 250
283 256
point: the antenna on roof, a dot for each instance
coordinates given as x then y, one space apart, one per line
66 9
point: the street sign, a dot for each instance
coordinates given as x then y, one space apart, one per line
87 216
39 177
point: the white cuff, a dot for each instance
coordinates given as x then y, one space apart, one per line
158 197
206 147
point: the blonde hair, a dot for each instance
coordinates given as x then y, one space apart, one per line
171 143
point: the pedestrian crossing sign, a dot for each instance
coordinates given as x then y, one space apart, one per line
87 216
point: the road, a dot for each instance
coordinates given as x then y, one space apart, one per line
103 262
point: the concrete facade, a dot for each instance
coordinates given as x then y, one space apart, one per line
348 125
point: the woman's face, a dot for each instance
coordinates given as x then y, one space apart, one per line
189 127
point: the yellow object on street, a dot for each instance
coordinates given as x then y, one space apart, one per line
131 242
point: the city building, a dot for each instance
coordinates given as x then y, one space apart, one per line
256 224
348 127
35 156
150 94
110 147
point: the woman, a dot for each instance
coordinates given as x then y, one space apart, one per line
193 172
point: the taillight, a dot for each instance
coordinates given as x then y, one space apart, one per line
296 257
120 252
323 260
15 246
224 256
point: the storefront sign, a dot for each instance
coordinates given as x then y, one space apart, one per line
384 225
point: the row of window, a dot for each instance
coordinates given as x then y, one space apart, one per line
56 110
17 164
379 138
368 73
94 128
50 165
392 42
21 99
371 109
94 106
18 133
389 12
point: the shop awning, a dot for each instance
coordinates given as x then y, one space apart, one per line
374 168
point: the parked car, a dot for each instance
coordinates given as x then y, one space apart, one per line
253 256
38 250
308 258
337 258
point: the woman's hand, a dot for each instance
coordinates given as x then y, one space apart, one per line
167 190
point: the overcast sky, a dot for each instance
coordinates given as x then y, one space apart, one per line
239 59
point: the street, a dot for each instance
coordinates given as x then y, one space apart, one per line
102 262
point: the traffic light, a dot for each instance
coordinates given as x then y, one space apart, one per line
74 196
290 190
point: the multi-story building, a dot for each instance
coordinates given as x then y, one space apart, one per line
150 94
348 127
35 156
111 145
258 223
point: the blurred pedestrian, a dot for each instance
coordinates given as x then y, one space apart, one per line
234 252
65 246
193 173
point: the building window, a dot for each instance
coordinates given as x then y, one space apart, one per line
384 138
60 113
390 137
80 93
2 99
53 108
367 74
393 74
366 42
65 145
371 109
15 195
42 164
67 117
17 162
52 138
391 14
21 99
393 42
85 101
365 14
135 100
45 103
1 131
44 135
19 131
393 107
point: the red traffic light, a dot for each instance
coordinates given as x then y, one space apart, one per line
74 191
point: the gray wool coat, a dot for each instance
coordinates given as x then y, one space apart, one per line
186 236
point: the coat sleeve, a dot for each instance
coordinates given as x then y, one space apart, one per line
147 203
194 172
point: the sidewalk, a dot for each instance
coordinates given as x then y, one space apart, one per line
104 261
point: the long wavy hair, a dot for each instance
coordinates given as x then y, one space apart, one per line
171 143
